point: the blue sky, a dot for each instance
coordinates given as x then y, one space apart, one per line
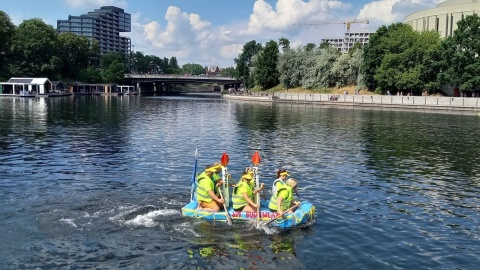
212 32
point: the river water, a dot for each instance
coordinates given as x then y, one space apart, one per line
99 182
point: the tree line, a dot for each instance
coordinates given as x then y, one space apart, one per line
397 58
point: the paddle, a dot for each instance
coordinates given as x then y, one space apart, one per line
229 219
269 222
194 177
224 160
255 162
291 208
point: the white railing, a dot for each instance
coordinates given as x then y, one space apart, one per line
420 101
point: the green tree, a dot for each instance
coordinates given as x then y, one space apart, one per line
266 73
375 51
228 72
74 51
35 50
406 57
324 45
319 68
94 54
7 31
356 46
172 63
109 58
284 43
459 56
114 73
310 47
90 75
193 69
243 63
341 71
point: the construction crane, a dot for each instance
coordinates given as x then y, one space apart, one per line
347 23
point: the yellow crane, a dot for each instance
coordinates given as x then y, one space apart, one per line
347 23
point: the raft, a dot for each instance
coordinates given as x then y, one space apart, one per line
304 214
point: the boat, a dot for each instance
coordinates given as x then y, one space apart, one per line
302 216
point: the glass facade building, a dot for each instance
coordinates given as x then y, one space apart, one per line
104 25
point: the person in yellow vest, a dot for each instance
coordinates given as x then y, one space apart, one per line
207 190
243 193
280 181
283 199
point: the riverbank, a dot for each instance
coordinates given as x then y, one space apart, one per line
437 103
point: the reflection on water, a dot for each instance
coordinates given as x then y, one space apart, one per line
99 182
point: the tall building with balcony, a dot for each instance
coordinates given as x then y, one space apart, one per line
345 43
104 24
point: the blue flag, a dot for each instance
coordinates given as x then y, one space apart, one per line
194 178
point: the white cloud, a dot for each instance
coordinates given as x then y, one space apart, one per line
186 36
231 51
289 12
96 3
389 11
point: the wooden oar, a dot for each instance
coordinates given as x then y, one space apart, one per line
224 160
229 219
268 223
255 162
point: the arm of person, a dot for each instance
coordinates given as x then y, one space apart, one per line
279 205
262 185
249 201
214 197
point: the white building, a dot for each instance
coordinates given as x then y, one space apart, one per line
26 86
444 17
344 44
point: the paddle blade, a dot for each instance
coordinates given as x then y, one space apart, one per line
256 158
229 220
263 226
224 160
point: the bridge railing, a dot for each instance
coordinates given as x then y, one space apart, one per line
175 76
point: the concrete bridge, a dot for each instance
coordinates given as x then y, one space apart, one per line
164 82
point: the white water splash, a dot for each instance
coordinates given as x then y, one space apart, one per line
142 219
186 227
69 221
147 220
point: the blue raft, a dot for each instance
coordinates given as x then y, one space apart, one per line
304 214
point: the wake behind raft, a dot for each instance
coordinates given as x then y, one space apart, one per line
303 215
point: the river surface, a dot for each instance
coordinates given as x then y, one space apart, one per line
99 183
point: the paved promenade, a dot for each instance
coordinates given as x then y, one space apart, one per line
404 102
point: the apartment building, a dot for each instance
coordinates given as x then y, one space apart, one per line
104 24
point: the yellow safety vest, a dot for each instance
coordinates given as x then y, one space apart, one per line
204 184
286 201
238 199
